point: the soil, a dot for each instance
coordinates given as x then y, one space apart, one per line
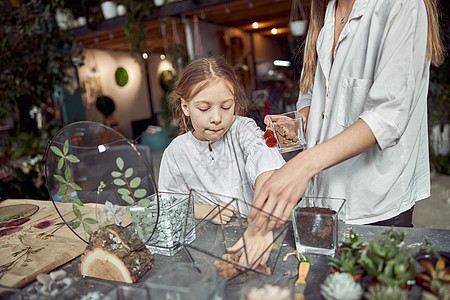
316 230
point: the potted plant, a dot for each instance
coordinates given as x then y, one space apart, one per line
354 244
347 263
383 292
340 286
387 260
435 275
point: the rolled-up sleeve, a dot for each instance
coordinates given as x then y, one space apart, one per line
391 100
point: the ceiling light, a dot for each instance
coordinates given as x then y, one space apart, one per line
144 55
162 56
274 31
255 25
281 63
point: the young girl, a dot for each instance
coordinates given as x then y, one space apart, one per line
218 151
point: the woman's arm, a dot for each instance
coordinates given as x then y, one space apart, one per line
282 191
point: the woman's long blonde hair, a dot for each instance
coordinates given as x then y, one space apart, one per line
435 49
198 75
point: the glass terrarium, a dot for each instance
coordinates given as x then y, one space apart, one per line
175 225
288 130
188 282
215 234
97 177
319 224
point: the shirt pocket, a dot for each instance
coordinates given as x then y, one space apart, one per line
352 100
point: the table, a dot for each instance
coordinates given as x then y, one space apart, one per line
319 263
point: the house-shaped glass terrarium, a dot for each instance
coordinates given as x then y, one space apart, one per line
215 235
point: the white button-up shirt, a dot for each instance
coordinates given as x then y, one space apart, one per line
380 74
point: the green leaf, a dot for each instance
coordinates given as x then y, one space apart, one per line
75 186
77 201
66 147
119 182
147 220
123 191
59 178
119 163
56 151
68 174
116 174
139 193
77 212
90 221
76 224
72 158
62 190
61 163
65 199
144 202
128 172
128 199
135 182
134 219
87 228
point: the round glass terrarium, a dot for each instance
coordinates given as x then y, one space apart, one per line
97 177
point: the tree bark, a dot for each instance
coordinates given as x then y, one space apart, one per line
115 253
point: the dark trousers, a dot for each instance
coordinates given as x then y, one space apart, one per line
402 220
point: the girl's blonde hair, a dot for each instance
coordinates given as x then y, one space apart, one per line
198 75
435 50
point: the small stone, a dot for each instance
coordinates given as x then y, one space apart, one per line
44 279
58 275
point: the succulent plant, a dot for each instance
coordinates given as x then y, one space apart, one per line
348 262
385 292
341 286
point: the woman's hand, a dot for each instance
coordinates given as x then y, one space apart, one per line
305 114
258 247
218 214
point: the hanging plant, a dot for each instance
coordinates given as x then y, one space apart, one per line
134 25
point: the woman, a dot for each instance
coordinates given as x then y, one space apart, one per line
363 95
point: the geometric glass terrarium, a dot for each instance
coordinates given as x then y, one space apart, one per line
319 224
97 177
213 240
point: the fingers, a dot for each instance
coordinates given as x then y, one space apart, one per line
236 247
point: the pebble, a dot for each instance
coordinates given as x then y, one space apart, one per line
44 279
58 275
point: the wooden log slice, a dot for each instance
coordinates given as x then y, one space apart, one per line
115 253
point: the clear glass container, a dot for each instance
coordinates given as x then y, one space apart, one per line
319 224
288 130
188 282
175 225
213 240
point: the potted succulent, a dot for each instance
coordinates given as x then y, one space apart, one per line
385 292
347 263
340 286
435 275
354 244
387 260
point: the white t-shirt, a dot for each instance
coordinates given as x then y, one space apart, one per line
380 74
230 169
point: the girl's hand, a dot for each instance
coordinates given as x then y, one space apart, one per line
218 214
258 247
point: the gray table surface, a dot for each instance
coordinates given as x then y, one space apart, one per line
319 263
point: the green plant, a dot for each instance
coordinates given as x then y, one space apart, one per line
67 190
386 259
129 188
347 262
434 276
354 244
384 292
134 26
340 286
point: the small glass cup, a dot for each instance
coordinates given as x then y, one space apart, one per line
319 224
288 130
